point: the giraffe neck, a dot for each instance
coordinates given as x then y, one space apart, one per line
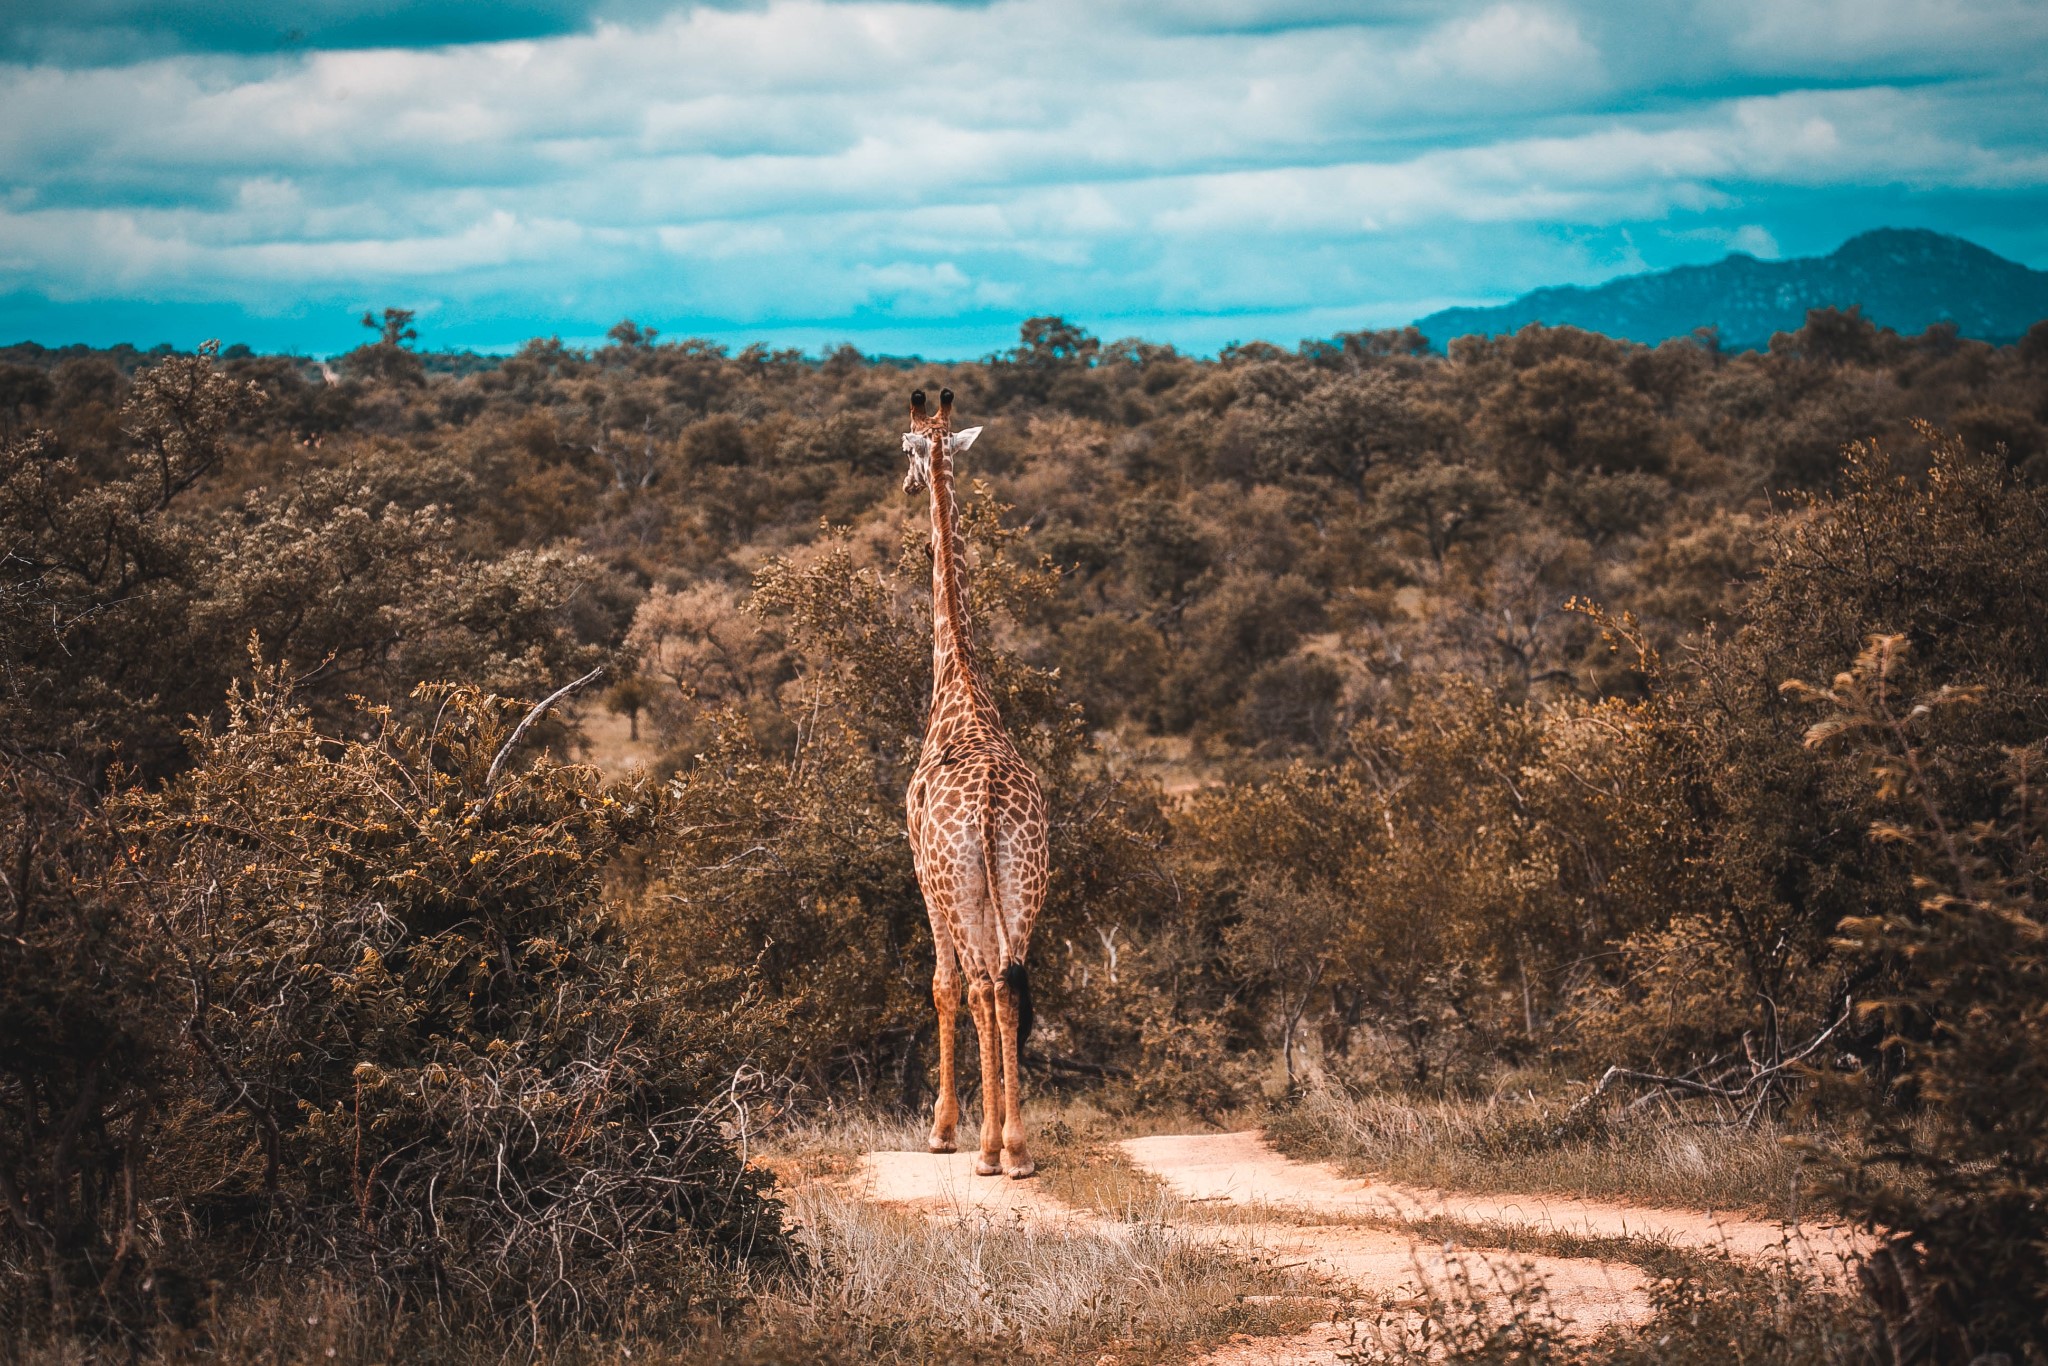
956 684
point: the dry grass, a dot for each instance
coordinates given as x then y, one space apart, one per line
910 1287
806 1146
1522 1142
914 1284
1080 1165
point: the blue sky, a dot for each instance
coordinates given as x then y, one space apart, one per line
919 177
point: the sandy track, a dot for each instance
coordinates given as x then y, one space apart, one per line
1387 1269
945 1185
1241 1168
1383 1269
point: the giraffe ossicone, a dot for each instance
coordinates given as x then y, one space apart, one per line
977 825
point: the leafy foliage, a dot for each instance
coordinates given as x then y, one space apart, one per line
1956 1173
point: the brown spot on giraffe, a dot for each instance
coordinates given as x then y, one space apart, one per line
977 831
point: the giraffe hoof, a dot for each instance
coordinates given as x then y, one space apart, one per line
940 1145
984 1167
1022 1170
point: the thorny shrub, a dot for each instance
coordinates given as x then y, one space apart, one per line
1954 1171
405 1044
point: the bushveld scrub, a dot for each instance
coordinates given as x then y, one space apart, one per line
1349 802
1960 1193
396 1041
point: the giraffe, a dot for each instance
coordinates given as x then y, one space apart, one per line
977 831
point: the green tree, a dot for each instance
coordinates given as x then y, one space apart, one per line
1051 364
1570 415
1440 504
389 359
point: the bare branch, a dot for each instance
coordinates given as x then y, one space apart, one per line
540 709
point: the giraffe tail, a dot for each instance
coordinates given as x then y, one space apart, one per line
1015 978
1019 983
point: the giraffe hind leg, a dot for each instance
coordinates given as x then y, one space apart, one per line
1012 1000
946 1110
981 1001
946 999
1014 900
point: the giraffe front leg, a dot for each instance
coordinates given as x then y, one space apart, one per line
1017 1162
946 1111
981 1002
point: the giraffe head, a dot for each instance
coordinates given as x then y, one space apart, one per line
928 433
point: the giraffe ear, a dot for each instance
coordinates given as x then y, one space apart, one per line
960 441
917 444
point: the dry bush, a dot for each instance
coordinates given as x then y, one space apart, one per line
1647 870
134 575
1472 863
699 653
1677 1000
1760 1316
1716 1312
1955 561
88 1040
1736 967
1953 1170
402 1046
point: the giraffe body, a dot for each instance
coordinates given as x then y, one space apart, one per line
977 825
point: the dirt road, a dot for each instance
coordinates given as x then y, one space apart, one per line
1385 1270
1237 1193
1243 1169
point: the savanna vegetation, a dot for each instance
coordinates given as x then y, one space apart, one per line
1548 741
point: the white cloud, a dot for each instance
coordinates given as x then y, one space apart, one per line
1943 34
806 159
1756 240
1507 45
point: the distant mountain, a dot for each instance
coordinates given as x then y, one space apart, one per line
1906 279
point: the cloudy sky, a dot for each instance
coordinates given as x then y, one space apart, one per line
919 177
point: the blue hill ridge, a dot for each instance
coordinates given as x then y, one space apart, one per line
1907 279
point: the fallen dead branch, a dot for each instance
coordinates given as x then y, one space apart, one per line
1753 1092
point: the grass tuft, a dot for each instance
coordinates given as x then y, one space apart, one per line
1530 1144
